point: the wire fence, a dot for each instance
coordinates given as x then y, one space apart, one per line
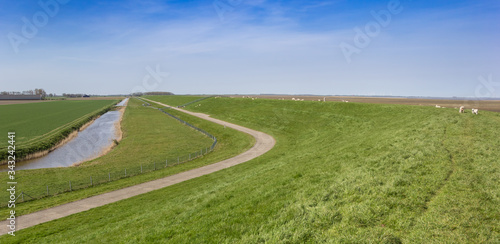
195 101
184 122
51 189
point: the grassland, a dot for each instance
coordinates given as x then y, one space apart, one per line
174 100
39 126
488 105
149 136
340 173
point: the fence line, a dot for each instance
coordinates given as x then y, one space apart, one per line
192 126
184 122
94 180
197 100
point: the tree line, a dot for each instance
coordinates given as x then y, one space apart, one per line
36 91
151 93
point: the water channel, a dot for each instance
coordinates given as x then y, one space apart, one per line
90 143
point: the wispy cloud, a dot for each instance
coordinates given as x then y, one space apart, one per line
284 47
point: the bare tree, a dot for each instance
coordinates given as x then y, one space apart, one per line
41 92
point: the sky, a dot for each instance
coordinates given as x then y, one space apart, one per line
399 48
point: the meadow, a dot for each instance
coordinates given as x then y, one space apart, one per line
148 136
339 173
40 126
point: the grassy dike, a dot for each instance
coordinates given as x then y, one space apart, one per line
340 172
149 135
174 100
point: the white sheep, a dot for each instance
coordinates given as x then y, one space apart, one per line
461 109
437 106
475 111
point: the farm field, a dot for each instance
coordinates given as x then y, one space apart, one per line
174 100
39 126
340 172
148 136
8 102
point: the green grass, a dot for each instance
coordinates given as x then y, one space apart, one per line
149 136
174 100
339 173
39 126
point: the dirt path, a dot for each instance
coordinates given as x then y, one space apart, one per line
263 143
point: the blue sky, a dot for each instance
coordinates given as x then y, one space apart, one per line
413 48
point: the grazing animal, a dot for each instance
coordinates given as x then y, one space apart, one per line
475 111
462 109
437 106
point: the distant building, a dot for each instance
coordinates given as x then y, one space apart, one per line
20 97
86 95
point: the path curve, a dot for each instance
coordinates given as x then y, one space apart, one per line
263 143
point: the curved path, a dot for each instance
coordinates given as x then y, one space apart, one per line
263 143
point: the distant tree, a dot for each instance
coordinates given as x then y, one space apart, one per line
159 93
72 95
41 92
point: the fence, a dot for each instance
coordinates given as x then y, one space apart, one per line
184 122
105 177
197 100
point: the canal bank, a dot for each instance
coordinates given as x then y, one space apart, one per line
91 141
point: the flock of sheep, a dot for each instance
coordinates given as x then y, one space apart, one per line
462 109
474 110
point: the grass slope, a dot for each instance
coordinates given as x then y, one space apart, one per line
340 172
174 100
149 136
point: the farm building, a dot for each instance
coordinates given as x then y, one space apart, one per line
20 97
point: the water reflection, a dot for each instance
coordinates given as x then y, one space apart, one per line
87 145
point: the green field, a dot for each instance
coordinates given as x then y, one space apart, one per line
174 100
39 126
149 136
339 173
